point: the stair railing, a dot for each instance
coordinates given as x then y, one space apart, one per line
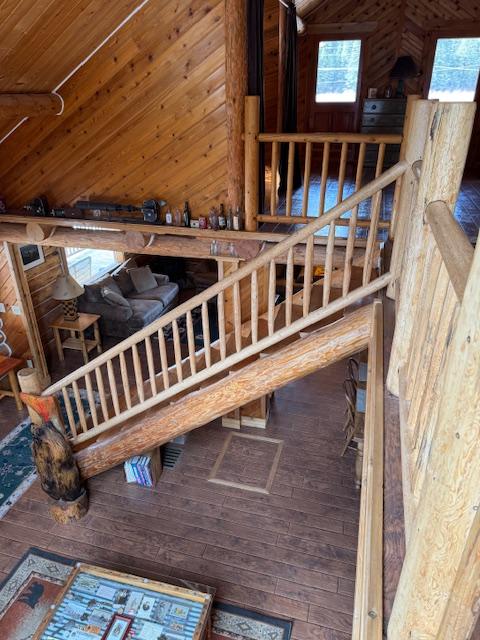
193 366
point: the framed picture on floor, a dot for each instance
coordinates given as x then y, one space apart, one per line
31 255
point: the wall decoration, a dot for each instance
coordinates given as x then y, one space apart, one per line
5 349
31 255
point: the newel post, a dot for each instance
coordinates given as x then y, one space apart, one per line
252 161
52 452
449 131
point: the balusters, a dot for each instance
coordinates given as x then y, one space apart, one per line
91 400
151 366
125 382
323 180
374 218
272 287
341 171
290 172
327 279
306 177
68 408
274 182
163 358
254 306
206 335
137 368
191 344
113 387
237 316
289 288
352 225
308 274
101 392
178 350
221 315
78 402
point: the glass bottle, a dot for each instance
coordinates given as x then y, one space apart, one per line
186 214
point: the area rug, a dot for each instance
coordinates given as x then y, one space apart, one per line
33 585
197 326
17 470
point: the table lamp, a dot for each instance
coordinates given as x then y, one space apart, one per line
403 68
66 289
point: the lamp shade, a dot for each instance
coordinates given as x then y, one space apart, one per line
66 288
404 67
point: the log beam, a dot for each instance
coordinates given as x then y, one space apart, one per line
157 426
29 105
235 92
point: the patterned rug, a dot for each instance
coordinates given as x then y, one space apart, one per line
197 326
17 470
33 585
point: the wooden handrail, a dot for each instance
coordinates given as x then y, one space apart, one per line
261 260
454 246
349 138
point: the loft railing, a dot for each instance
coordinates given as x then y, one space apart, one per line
158 381
331 154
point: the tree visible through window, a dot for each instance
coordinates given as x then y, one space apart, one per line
455 69
87 265
337 70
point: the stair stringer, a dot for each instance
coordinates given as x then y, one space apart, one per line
291 362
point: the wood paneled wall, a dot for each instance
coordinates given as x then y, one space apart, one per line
145 117
402 29
13 325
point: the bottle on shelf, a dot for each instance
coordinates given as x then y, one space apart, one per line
187 216
213 219
202 222
237 220
214 248
222 221
232 251
168 218
230 219
177 218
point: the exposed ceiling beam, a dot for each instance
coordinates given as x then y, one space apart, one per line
305 7
29 105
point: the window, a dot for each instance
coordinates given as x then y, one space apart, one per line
337 70
455 69
87 265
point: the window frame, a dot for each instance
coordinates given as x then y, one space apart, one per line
312 105
332 38
432 38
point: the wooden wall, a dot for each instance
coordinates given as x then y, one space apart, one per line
402 28
143 118
13 325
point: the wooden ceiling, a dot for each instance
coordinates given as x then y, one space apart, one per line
145 117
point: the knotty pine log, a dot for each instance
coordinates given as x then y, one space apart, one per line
160 425
235 92
29 105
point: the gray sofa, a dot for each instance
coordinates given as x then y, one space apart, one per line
123 309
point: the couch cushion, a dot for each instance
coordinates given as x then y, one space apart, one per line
124 281
166 293
143 279
144 312
93 292
113 298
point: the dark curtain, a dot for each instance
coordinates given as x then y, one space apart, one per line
255 77
289 124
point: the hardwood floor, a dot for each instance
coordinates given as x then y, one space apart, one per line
290 553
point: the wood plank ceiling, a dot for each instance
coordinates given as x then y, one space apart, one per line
144 117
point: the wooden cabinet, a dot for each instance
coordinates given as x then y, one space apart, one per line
383 115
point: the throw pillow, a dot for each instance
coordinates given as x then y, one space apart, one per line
114 298
124 281
93 292
143 279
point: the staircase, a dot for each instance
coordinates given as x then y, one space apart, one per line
277 344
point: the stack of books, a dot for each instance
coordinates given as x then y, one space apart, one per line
143 470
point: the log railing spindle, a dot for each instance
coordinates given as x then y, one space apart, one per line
221 315
307 275
289 288
125 381
191 344
374 219
290 172
306 177
254 306
206 334
68 408
113 388
352 227
91 399
163 358
324 177
151 366
79 403
272 286
177 348
101 392
274 181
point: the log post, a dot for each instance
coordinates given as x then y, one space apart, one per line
252 160
59 474
30 383
235 92
442 170
438 592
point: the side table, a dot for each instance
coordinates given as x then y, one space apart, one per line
8 367
78 326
